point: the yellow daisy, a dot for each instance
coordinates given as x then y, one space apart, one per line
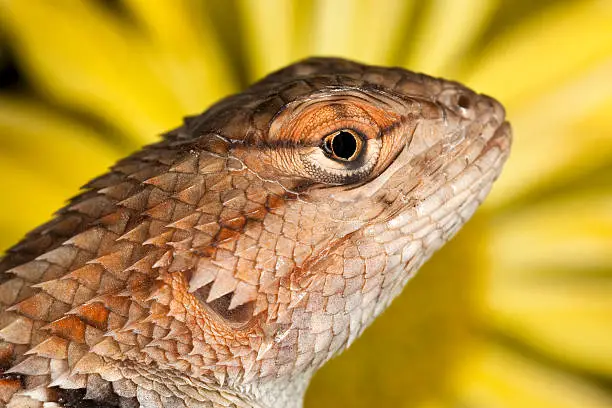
515 312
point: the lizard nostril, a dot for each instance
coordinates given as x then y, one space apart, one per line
463 102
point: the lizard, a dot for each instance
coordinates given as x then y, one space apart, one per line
223 265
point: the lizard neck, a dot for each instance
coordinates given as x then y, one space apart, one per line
287 392
283 393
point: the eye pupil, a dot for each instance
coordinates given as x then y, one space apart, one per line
343 145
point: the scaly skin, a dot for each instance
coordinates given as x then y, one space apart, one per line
222 266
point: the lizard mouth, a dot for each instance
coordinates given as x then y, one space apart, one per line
496 150
502 139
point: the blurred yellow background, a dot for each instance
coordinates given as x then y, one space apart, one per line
515 312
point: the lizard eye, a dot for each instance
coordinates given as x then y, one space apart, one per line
342 156
336 140
344 145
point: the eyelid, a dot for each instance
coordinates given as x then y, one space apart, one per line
309 125
361 128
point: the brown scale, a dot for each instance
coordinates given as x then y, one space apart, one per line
217 268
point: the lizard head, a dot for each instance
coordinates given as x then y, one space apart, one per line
262 237
356 175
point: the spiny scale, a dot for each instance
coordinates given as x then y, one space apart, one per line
219 267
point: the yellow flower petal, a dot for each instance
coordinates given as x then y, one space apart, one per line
568 320
566 234
552 73
361 29
187 56
495 377
548 49
44 159
548 285
446 31
26 201
92 60
561 135
268 22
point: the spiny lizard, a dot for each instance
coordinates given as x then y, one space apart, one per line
222 266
